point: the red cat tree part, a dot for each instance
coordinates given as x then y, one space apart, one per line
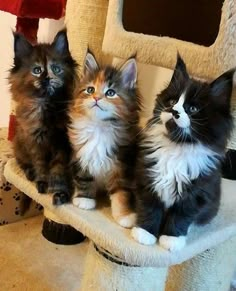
28 13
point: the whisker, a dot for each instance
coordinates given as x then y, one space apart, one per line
198 123
203 135
144 128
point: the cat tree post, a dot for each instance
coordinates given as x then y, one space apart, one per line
110 273
85 22
205 271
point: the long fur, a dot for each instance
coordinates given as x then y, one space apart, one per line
182 147
103 133
41 83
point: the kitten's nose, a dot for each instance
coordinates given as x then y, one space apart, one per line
175 113
46 81
96 98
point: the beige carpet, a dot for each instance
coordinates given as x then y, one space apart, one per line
31 263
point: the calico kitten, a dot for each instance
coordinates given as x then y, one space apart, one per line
104 120
41 82
182 148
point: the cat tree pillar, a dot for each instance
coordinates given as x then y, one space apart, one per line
85 22
115 274
202 272
211 270
119 263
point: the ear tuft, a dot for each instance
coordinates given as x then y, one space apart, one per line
60 43
221 89
180 71
90 64
22 46
129 73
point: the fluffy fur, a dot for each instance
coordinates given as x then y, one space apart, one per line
178 179
41 83
103 132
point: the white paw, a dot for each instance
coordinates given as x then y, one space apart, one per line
142 236
172 243
84 203
127 221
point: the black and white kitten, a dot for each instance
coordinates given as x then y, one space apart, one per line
179 179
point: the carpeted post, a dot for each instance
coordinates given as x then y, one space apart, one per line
105 272
85 22
211 270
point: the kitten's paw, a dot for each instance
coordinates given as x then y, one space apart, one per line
84 203
172 243
42 187
142 236
127 221
30 174
60 198
57 183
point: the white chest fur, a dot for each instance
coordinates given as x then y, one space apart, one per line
176 164
93 143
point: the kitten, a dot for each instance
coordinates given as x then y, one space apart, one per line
182 147
41 82
103 129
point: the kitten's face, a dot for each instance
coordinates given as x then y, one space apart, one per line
192 111
43 69
106 93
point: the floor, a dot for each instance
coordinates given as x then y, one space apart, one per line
30 262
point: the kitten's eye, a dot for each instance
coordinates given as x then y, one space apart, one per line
193 109
172 102
90 90
56 69
37 70
110 93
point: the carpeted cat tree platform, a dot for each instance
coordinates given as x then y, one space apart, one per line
116 262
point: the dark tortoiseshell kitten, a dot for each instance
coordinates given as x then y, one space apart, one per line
41 83
104 120
179 165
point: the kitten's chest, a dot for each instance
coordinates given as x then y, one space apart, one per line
94 146
175 166
40 114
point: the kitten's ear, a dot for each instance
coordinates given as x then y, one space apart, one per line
22 46
129 73
180 71
221 89
90 64
60 43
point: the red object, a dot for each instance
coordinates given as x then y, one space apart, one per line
12 127
28 13
28 27
34 8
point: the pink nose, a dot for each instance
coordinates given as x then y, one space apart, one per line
96 99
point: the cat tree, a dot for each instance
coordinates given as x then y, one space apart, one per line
115 261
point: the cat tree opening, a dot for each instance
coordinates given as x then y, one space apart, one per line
193 21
